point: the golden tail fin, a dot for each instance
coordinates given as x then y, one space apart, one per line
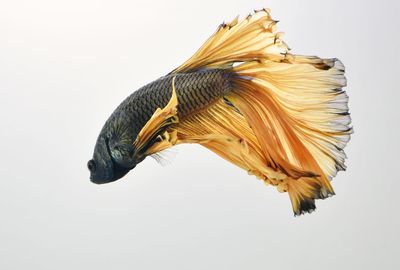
286 121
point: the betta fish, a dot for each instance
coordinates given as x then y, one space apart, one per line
280 116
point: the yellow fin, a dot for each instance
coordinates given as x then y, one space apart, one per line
153 137
239 41
298 111
226 132
285 121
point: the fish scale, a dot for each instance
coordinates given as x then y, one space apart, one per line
194 90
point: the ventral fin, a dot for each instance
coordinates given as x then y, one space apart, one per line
153 137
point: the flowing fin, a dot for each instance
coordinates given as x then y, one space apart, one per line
298 110
286 121
153 137
226 132
239 41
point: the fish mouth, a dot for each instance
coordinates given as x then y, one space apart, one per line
117 172
101 181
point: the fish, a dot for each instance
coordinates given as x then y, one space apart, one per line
282 117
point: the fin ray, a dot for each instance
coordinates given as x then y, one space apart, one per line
153 137
285 121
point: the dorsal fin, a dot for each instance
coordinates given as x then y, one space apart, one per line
239 41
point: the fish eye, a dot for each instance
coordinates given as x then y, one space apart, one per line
91 165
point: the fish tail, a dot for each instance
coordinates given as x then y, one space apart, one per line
286 119
299 114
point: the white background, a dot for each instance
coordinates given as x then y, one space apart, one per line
65 66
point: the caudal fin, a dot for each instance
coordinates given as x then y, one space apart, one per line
286 121
299 113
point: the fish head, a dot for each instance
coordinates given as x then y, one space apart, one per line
112 159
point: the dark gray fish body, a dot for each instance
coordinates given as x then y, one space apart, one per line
112 156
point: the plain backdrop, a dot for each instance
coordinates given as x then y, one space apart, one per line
65 66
